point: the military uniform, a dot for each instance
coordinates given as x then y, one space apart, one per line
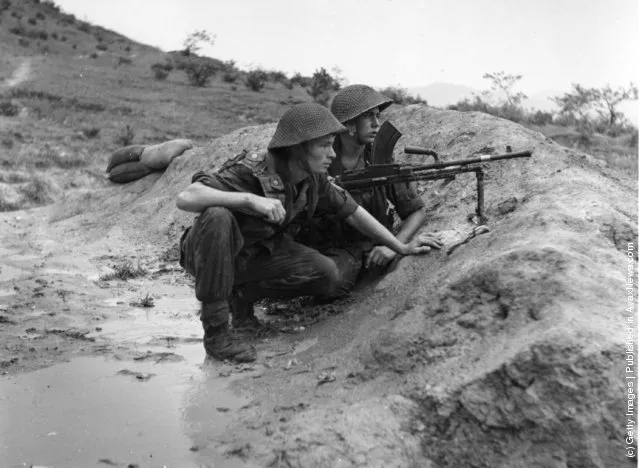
338 239
236 251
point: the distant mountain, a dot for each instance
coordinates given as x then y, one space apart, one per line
441 94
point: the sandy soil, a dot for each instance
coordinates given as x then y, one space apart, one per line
471 358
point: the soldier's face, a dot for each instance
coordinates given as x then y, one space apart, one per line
367 125
320 154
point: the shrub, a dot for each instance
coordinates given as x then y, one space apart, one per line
125 136
32 21
38 191
541 118
24 42
5 5
18 30
124 271
322 84
401 95
230 73
94 55
8 109
40 15
256 79
54 36
84 27
277 77
199 72
91 132
632 141
101 47
124 61
303 81
16 15
161 70
127 48
63 38
160 73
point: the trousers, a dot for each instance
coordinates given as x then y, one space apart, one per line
213 251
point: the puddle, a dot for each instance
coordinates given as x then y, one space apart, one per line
81 412
174 318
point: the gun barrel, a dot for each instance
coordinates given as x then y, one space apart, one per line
418 150
480 159
410 177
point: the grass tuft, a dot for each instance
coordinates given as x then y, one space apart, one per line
124 271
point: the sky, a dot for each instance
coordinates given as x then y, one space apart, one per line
406 43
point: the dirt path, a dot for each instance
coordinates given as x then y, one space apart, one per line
58 318
20 75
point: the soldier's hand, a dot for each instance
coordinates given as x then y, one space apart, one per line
423 244
380 256
269 208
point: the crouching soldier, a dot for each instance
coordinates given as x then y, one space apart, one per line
238 248
358 108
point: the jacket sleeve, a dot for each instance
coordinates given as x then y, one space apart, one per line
405 198
334 200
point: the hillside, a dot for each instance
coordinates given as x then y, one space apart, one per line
69 89
463 359
508 351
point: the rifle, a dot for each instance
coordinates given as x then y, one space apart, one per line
388 174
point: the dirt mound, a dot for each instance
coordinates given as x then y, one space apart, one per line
507 352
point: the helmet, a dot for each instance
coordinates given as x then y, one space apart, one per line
304 122
354 100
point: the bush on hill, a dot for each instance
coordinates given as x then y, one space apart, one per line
322 85
8 109
401 95
302 81
20 30
256 79
230 73
161 70
199 72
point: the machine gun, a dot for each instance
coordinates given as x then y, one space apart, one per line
388 174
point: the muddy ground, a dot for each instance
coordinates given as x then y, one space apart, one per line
472 358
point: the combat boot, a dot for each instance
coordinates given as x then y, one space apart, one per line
220 345
243 318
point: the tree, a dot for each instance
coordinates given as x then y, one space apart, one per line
193 41
501 83
606 100
578 102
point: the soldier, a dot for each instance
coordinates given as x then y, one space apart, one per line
358 107
239 248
